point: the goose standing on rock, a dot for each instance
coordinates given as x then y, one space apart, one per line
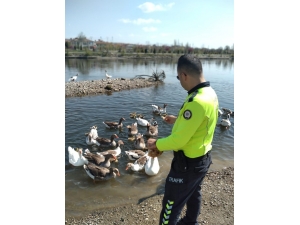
73 78
106 142
107 76
76 158
114 125
100 172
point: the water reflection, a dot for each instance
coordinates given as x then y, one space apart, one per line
84 66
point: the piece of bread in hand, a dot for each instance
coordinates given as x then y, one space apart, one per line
154 153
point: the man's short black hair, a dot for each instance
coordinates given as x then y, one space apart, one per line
190 64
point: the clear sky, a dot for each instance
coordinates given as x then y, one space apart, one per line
200 23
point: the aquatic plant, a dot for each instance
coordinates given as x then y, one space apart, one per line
156 76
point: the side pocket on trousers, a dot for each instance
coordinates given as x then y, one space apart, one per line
200 169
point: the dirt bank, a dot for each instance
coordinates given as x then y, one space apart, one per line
217 205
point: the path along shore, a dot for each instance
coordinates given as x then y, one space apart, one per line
217 206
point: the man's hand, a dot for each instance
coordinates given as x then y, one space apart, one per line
152 149
154 153
170 119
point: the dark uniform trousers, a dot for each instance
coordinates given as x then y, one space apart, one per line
183 186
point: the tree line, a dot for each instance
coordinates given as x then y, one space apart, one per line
123 48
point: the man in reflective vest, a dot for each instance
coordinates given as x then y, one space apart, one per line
190 140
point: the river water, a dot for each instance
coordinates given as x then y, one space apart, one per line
81 194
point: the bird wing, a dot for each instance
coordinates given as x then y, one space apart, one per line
103 140
108 152
109 123
142 160
97 171
98 158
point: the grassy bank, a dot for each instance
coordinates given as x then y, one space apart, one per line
115 54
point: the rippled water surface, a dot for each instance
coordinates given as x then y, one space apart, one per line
81 194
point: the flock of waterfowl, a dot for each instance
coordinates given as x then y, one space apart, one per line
98 165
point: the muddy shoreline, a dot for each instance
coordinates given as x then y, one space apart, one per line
217 205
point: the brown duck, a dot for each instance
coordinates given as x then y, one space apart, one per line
152 130
132 129
98 159
106 142
139 142
100 172
114 125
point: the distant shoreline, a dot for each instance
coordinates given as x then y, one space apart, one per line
148 56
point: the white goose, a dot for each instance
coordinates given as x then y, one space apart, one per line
76 158
225 122
107 76
92 136
158 110
115 152
143 122
134 154
138 165
152 166
73 78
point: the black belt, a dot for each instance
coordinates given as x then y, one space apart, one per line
194 159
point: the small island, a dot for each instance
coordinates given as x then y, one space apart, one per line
107 86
